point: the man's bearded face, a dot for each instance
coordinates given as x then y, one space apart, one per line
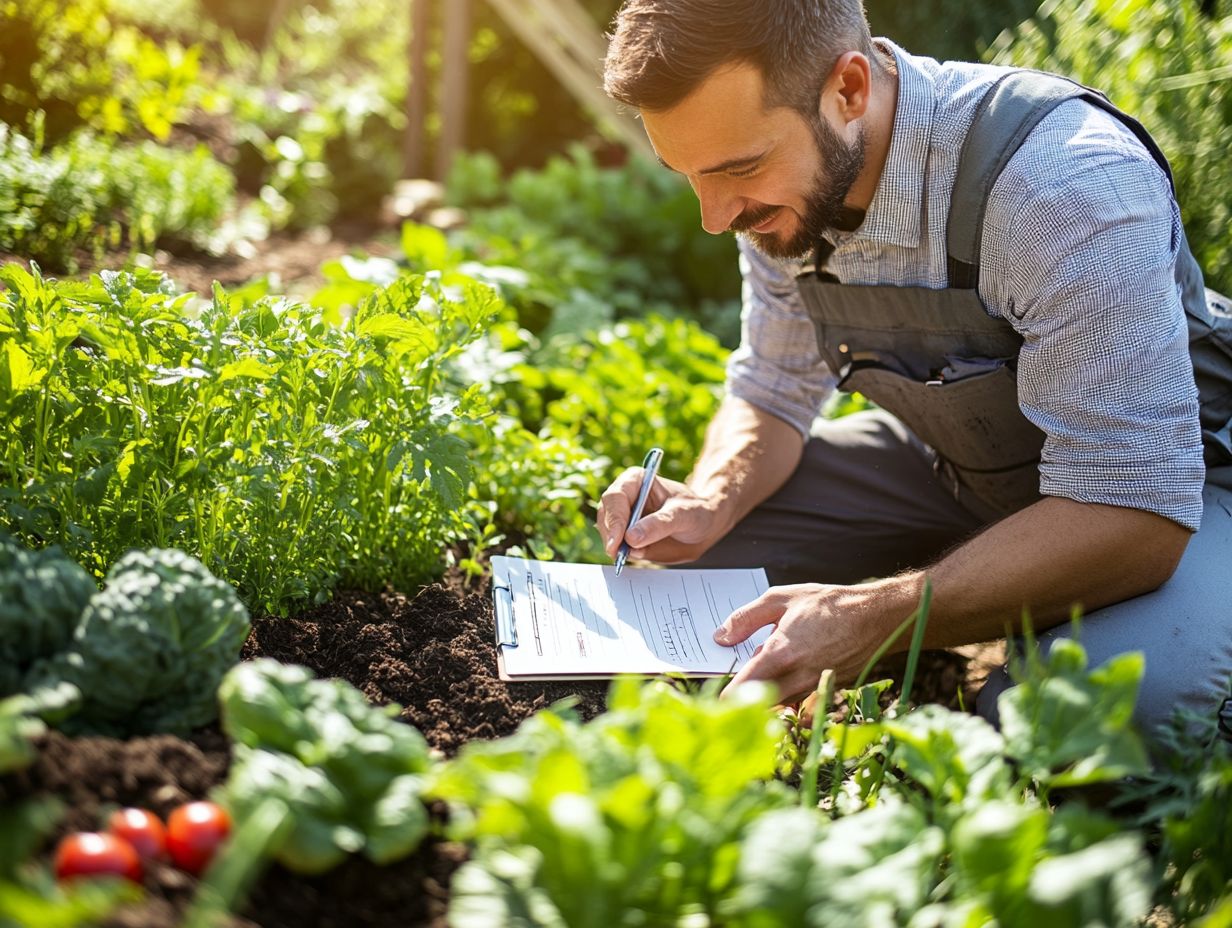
839 165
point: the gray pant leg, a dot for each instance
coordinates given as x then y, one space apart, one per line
1184 629
863 503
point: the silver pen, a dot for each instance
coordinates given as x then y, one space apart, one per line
651 467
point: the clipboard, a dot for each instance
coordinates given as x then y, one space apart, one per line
556 620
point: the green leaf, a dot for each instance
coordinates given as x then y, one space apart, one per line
399 821
425 248
1069 727
953 755
1111 879
997 845
498 887
392 326
448 468
245 367
17 371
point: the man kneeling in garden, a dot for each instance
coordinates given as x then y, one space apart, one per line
996 259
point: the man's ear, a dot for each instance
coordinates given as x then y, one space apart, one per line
848 90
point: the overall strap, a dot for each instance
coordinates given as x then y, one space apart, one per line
1006 114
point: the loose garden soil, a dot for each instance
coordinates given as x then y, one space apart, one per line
292 261
433 654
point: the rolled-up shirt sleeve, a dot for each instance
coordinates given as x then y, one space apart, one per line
777 366
1084 269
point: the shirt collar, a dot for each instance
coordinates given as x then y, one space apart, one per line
895 211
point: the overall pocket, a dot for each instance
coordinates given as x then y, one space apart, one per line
987 447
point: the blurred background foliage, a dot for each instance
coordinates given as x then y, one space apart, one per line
1169 64
303 100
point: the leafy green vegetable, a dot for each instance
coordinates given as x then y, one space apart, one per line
645 807
599 244
150 648
42 595
1066 726
351 775
876 867
92 193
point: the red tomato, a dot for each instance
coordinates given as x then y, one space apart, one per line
94 854
194 832
143 830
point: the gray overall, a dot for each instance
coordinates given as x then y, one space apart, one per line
946 370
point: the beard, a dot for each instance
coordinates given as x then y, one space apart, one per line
824 206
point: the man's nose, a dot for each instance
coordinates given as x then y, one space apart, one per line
719 206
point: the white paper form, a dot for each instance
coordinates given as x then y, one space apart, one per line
581 619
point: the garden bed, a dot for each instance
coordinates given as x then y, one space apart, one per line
433 654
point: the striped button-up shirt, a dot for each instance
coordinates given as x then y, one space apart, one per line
1081 234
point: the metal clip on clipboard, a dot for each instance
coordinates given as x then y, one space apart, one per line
506 631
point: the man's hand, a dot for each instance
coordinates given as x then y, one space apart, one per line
816 627
676 526
748 454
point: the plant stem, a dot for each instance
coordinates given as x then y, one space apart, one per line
821 719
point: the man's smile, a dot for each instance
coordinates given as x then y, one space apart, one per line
769 223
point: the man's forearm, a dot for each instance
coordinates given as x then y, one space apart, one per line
1042 560
748 454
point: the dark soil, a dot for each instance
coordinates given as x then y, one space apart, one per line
292 260
433 654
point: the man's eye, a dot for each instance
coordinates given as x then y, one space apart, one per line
744 172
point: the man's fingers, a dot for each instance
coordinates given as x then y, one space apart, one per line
616 506
769 665
766 609
772 665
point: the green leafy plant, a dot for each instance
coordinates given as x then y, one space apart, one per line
149 649
638 384
79 64
42 596
145 654
644 806
350 775
90 193
577 404
286 452
599 244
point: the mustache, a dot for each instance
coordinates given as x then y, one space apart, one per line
751 218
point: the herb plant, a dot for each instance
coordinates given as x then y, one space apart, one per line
287 452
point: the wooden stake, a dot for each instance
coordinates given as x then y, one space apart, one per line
416 89
454 72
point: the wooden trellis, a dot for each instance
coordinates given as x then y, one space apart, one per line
559 32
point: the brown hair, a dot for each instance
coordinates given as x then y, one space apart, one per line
661 50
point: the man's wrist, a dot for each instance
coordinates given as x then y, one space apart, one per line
892 601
